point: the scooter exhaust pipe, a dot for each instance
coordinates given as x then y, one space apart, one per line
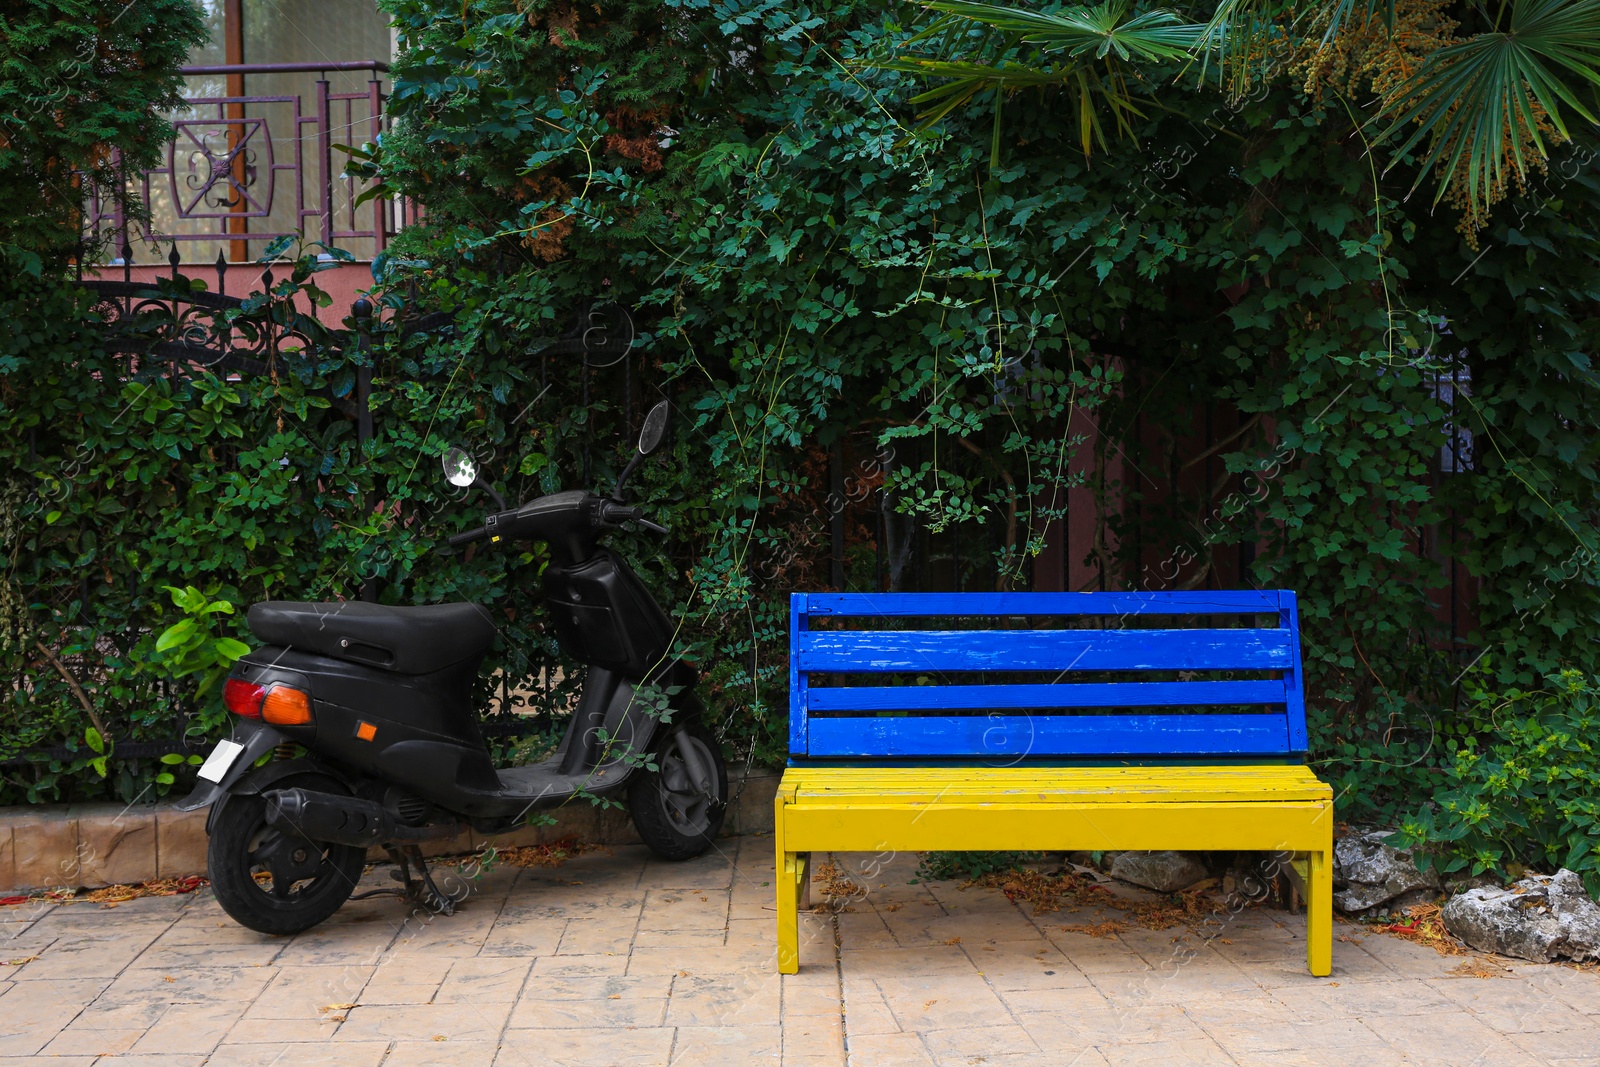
338 820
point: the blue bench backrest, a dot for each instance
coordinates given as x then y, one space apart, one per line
933 712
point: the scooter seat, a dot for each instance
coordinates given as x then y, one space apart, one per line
410 640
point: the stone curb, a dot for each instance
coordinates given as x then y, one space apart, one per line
93 845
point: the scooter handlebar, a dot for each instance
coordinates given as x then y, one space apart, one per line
596 514
612 513
466 537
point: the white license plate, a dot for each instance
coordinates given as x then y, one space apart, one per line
221 758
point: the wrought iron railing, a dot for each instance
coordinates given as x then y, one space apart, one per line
243 170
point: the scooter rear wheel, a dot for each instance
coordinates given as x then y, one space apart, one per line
269 882
679 807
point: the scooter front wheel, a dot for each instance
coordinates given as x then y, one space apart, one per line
267 880
679 807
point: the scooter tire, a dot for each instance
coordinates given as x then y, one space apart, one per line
238 832
671 828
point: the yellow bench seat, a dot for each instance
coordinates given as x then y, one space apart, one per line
1259 807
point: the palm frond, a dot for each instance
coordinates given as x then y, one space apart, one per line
1491 103
1093 52
1103 29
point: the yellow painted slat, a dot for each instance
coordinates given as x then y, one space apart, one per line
1159 785
997 774
957 827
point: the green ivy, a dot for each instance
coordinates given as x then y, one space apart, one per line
78 78
807 274
1522 784
807 268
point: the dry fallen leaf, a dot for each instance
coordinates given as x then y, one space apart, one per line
893 907
334 1007
1480 967
168 978
553 854
440 1037
1109 928
19 962
952 941
1426 928
615 996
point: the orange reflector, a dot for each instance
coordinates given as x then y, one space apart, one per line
286 706
366 731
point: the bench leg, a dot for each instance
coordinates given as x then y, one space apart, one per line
792 871
1319 914
792 867
803 875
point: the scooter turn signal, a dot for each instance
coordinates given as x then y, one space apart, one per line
286 706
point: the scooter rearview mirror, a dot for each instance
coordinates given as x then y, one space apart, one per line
459 468
655 428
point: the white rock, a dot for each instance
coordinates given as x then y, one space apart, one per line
1368 873
1165 872
1540 918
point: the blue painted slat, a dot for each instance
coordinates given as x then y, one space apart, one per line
1063 695
797 679
1289 618
1223 602
1042 650
1014 737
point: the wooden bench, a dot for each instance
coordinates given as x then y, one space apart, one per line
1115 721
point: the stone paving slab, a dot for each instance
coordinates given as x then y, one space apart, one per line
618 958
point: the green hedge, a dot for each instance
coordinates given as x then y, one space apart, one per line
805 269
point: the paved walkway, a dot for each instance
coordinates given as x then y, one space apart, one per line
615 958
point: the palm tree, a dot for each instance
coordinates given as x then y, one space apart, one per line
1477 95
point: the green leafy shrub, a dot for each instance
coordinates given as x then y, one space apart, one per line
79 78
1522 787
807 273
122 486
194 644
806 268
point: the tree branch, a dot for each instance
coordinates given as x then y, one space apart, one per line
77 690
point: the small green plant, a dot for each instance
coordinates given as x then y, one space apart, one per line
100 745
970 865
193 645
1522 788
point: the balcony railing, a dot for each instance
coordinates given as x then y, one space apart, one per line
243 170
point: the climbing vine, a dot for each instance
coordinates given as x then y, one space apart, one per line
1229 339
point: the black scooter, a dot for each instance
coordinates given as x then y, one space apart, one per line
355 725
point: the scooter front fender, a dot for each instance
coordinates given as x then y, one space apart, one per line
258 739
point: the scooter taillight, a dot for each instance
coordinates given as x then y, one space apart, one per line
243 698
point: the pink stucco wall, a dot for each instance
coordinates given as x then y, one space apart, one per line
344 282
